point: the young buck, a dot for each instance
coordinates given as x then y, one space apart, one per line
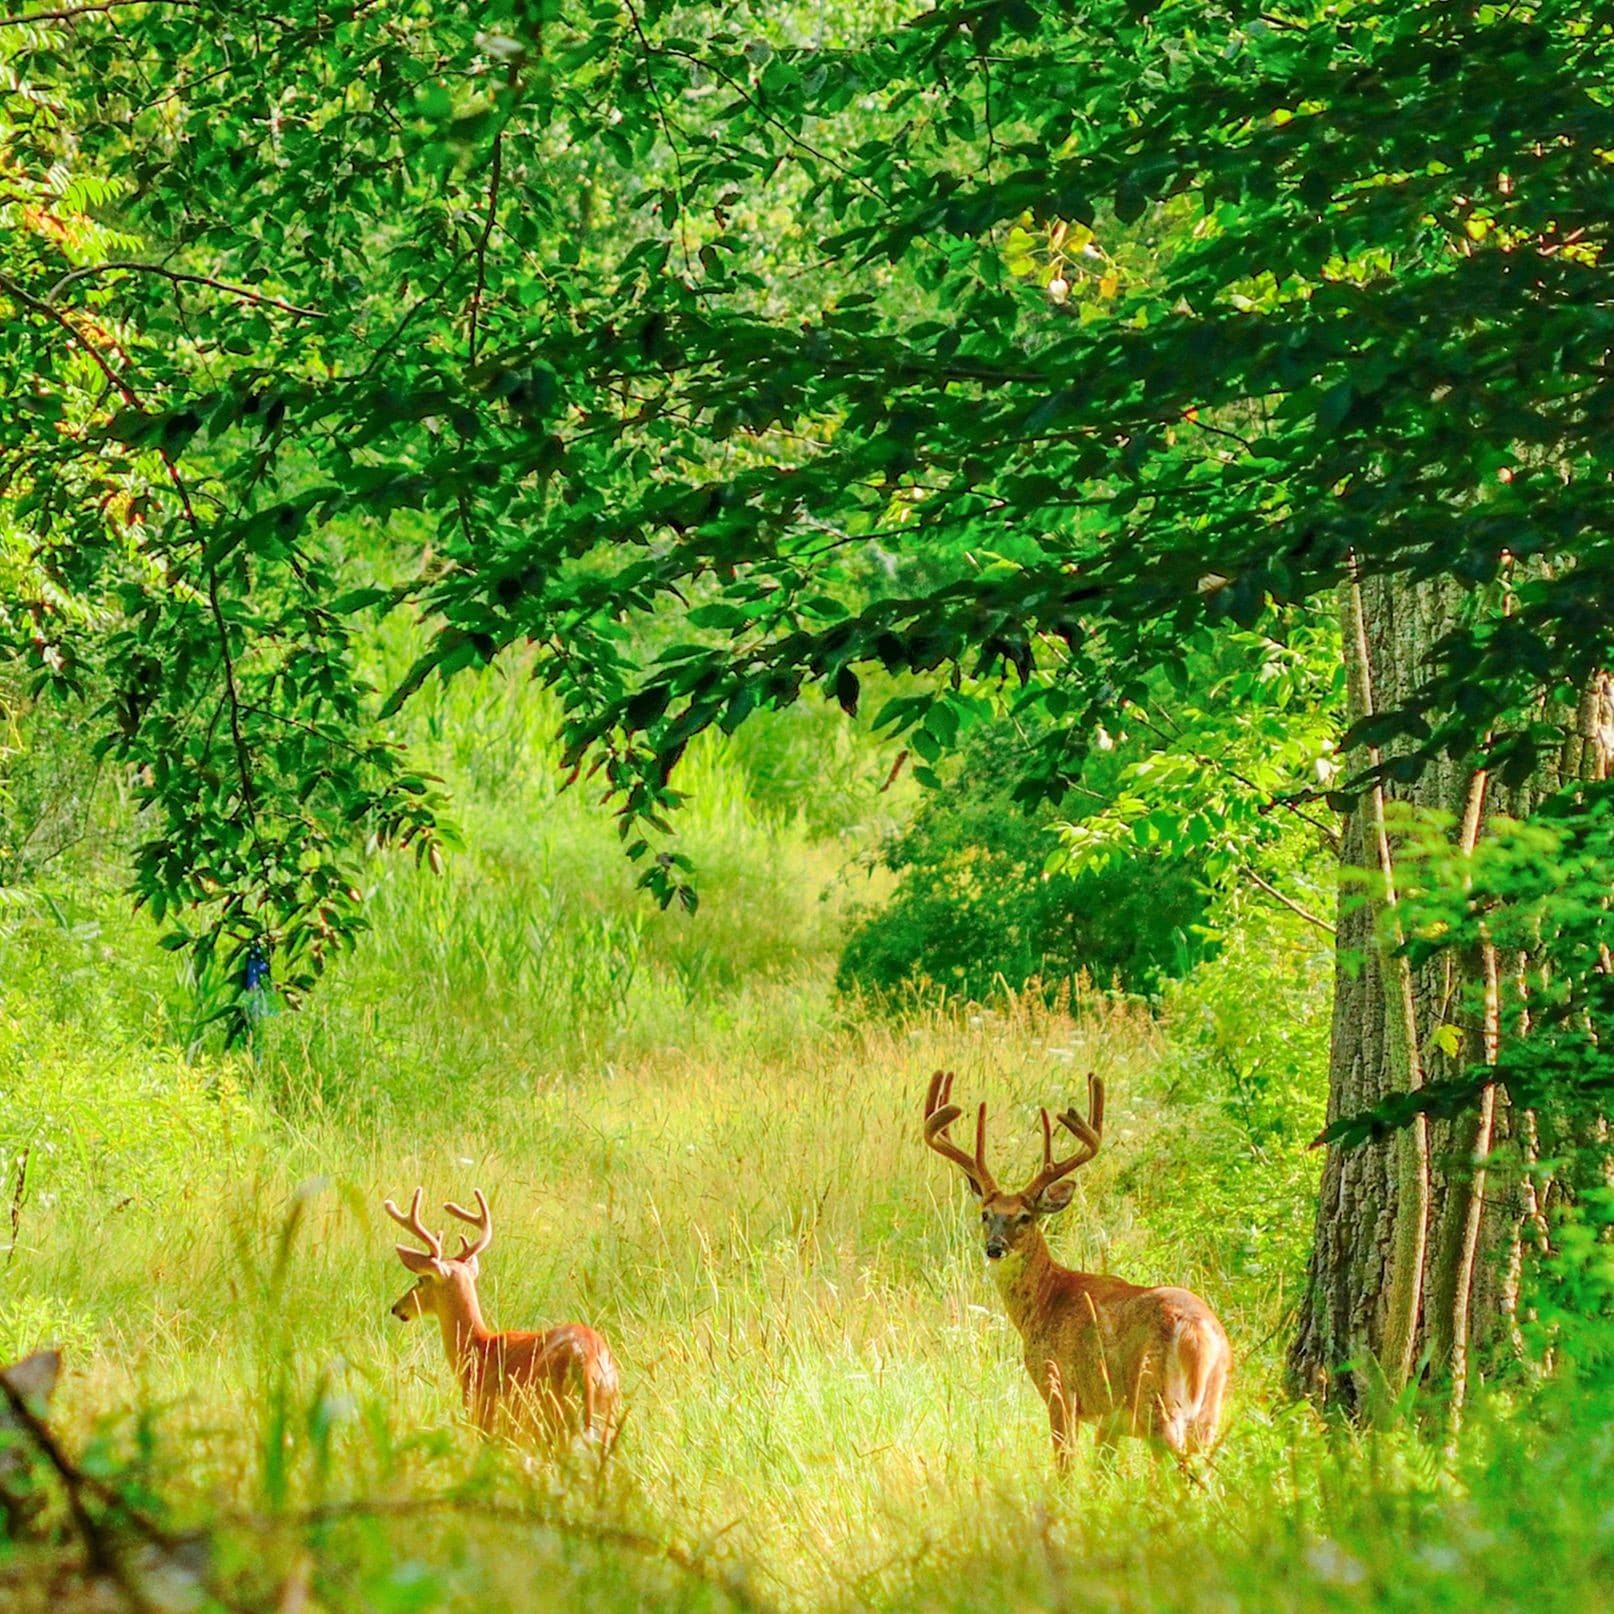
1148 1362
549 1385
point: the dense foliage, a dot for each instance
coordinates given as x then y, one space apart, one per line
977 912
1271 289
985 364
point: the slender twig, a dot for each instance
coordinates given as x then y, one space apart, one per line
243 757
18 1196
1288 902
1192 419
334 741
41 817
495 173
1218 766
991 131
68 13
56 316
777 123
103 1558
666 129
1241 1093
232 693
408 317
182 277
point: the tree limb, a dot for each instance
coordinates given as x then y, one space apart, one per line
68 13
1288 902
496 172
183 277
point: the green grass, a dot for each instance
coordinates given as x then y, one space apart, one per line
689 1142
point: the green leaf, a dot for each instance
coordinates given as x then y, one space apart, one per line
717 616
358 599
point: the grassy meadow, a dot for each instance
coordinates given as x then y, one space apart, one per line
691 1142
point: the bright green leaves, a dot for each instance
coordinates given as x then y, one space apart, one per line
1240 744
1536 890
989 358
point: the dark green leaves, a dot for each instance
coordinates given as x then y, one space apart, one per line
644 339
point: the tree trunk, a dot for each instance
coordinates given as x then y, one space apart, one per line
1415 1262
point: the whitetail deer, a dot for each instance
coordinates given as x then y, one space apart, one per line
550 1385
1148 1362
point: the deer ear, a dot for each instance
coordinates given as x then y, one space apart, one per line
418 1261
1055 1197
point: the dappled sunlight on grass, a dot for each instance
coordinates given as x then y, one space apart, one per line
690 1142
825 1399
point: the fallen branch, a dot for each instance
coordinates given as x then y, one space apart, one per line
104 1557
101 1555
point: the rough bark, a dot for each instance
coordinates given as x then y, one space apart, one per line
1415 1259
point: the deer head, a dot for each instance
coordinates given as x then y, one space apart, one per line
442 1283
1007 1219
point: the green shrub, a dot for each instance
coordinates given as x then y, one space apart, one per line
974 910
1244 1087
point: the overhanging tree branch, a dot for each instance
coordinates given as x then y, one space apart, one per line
68 13
182 277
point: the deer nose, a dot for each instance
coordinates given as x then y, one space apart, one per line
995 1249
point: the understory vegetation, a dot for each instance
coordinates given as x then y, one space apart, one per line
978 911
689 1137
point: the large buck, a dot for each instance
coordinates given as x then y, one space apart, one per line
1147 1362
550 1385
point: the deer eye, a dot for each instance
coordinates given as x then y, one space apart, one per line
1022 1218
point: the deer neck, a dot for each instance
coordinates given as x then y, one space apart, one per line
1026 1277
465 1335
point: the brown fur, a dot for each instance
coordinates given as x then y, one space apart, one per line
547 1386
1132 1361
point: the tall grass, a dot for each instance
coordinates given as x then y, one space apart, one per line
689 1142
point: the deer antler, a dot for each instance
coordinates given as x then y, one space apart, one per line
1088 1133
481 1219
432 1241
940 1114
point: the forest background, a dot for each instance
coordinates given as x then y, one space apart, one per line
622 582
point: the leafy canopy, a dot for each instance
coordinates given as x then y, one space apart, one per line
720 354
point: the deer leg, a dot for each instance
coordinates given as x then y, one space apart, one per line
1204 1432
1062 1417
1177 1439
1168 1430
1135 1421
1060 1425
485 1402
